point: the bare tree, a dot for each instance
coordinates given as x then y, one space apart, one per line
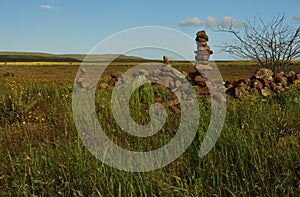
273 44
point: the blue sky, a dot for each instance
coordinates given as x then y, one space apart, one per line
77 26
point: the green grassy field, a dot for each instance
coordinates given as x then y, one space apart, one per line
257 153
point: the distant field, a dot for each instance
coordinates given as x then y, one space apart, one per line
45 57
230 70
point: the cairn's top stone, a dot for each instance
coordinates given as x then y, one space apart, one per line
166 59
201 35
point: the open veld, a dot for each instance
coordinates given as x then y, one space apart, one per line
257 153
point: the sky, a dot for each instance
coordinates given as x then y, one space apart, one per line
77 26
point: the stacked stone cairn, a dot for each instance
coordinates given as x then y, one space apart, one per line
203 51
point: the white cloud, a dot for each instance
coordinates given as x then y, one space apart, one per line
210 22
296 17
46 7
190 22
227 21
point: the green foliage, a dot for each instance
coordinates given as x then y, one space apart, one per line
257 153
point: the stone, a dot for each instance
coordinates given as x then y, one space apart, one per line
113 81
280 89
279 75
115 75
178 83
228 85
244 83
273 86
264 73
200 81
290 74
234 92
201 40
201 90
203 67
103 85
201 63
202 52
284 82
179 74
255 83
202 57
202 44
206 48
184 74
85 83
265 92
166 59
202 34
168 82
172 75
185 86
291 79
83 70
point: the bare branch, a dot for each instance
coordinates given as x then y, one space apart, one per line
273 44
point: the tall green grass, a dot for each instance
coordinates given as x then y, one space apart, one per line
257 153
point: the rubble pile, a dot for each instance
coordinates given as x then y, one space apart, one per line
263 82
